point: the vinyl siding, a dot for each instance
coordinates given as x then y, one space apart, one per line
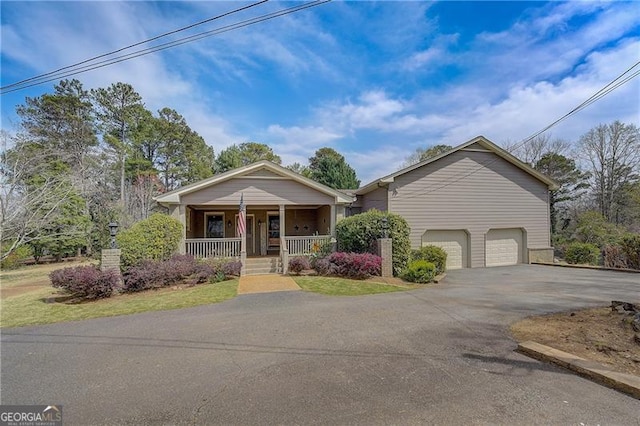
257 192
264 173
376 199
472 191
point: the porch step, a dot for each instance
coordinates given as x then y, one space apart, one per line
263 265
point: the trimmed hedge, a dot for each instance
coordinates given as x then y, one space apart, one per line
358 266
433 254
420 271
299 264
87 282
186 269
154 238
359 234
584 253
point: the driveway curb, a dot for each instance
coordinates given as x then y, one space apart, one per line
599 373
592 267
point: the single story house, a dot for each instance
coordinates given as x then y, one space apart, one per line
478 202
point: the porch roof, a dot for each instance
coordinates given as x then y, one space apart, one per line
173 197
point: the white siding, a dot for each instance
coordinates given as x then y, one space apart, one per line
257 192
475 191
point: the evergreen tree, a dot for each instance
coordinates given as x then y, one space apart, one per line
330 168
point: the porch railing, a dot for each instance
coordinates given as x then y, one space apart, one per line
302 246
203 248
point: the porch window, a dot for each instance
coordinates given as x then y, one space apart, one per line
214 225
273 229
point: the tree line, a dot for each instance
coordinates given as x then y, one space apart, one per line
81 159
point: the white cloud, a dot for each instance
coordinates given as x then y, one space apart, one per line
435 55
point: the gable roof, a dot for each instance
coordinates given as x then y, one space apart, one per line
480 140
173 197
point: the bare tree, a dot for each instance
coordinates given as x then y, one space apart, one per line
533 151
612 154
29 200
141 192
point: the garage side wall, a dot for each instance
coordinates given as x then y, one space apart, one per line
473 191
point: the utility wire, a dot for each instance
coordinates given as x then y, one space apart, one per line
37 77
195 37
608 88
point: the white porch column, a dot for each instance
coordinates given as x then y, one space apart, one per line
243 250
332 229
178 212
284 251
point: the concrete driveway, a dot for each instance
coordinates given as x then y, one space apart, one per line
439 355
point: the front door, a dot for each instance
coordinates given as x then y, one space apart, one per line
251 236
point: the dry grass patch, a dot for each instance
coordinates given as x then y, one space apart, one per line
596 334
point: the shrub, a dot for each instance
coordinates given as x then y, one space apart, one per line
87 282
154 238
433 254
630 245
360 232
325 268
231 268
299 264
614 257
350 265
179 268
16 257
420 271
582 253
144 276
593 228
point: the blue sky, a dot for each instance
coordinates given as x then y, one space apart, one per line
374 80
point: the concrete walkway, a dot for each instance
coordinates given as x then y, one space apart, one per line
266 284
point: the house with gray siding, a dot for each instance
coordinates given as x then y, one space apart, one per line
478 202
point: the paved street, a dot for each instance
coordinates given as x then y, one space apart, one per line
438 355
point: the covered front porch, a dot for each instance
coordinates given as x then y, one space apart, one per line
212 231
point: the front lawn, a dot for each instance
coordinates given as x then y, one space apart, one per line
32 309
344 287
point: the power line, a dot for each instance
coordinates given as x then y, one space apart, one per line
134 45
89 67
608 88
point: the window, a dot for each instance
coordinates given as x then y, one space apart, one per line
273 229
214 225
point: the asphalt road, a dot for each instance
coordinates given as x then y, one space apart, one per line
438 355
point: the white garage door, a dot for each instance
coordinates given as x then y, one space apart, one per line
454 242
503 247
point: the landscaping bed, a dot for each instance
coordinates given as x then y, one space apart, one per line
599 334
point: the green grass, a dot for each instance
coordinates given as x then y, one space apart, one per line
344 287
31 308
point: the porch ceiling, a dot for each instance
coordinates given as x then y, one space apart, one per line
254 207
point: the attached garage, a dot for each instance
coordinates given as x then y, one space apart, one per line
454 242
504 247
478 202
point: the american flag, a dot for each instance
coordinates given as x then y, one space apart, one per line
242 218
